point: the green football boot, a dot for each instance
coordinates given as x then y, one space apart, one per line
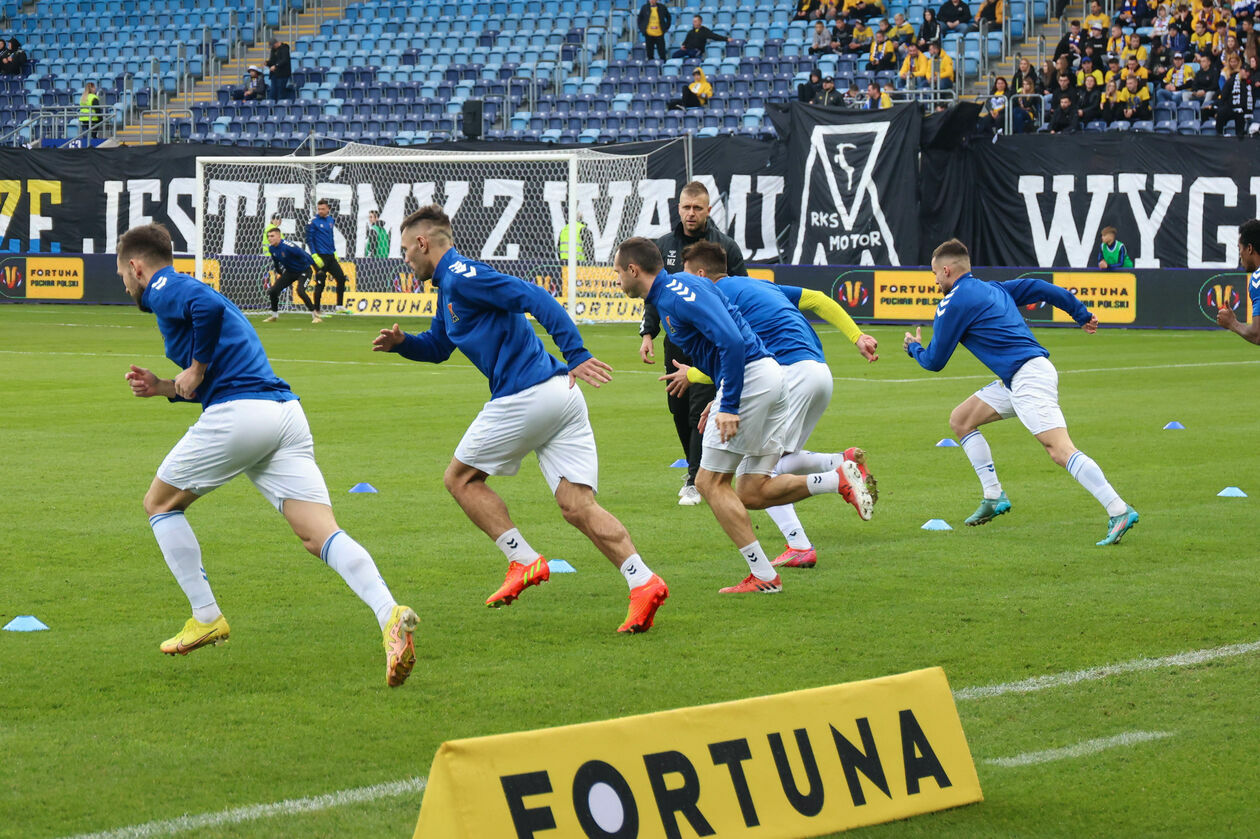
1119 525
989 509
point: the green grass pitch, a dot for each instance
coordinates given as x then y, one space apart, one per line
99 731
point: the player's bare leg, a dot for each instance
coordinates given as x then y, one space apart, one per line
757 492
647 590
486 509
965 421
314 524
717 490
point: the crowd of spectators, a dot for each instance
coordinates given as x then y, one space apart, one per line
1150 57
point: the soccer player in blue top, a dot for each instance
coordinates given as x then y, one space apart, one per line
293 265
985 318
251 423
774 312
323 246
748 421
534 406
1249 256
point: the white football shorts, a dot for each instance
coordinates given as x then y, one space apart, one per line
1033 396
269 441
549 419
763 414
809 386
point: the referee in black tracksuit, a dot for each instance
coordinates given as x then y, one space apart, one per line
693 226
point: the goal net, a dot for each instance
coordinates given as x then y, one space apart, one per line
553 218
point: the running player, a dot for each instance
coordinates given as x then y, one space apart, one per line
533 406
985 318
251 423
743 433
774 313
323 245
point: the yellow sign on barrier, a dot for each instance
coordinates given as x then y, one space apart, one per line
798 764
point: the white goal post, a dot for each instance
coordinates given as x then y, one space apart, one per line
549 217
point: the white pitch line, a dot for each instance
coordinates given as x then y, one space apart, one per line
1089 747
1056 680
253 812
397 788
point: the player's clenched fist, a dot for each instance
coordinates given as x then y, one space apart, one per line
388 339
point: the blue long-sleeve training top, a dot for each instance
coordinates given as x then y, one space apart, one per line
481 313
773 313
985 318
1255 293
200 324
707 327
289 256
319 234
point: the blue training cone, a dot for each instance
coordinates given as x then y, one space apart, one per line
25 623
948 442
680 463
1231 492
1174 426
364 487
560 566
936 524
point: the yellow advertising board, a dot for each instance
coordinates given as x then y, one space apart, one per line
209 270
800 764
54 278
905 295
1110 295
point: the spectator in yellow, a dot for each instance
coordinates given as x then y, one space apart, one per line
694 95
942 66
901 31
91 114
862 37
990 10
863 10
1117 41
875 100
1220 39
1135 49
1096 14
654 20
827 10
1134 100
1114 73
1087 69
883 55
1178 82
1133 69
1201 40
916 69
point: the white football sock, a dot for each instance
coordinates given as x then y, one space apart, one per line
977 451
821 483
785 517
1082 467
179 547
805 463
515 548
349 559
635 570
758 564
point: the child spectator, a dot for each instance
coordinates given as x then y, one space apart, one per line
377 236
1096 42
1111 254
820 45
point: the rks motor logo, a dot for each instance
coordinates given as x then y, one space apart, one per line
841 219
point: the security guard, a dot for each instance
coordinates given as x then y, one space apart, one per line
572 233
90 111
